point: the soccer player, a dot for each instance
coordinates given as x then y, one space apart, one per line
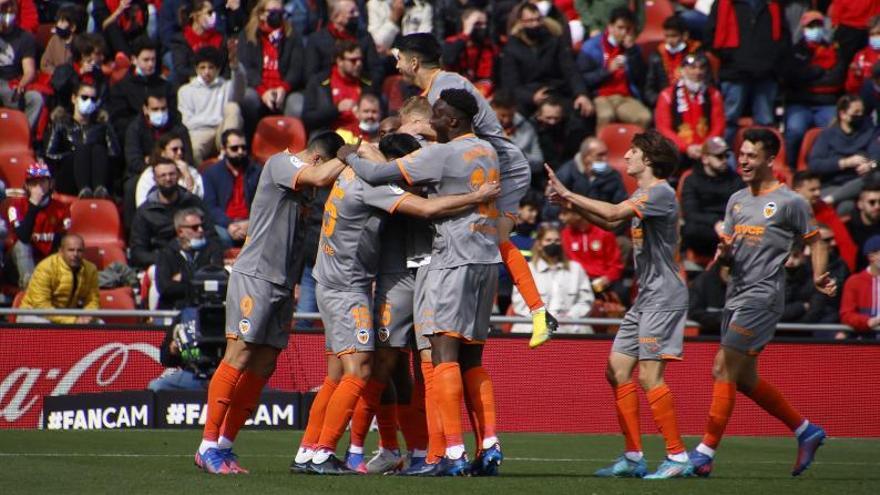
348 259
259 306
461 280
652 331
418 60
760 225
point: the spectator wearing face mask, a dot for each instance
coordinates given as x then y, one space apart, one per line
88 57
596 14
199 21
472 52
189 251
332 96
70 20
390 18
860 68
665 63
144 78
230 186
558 134
18 65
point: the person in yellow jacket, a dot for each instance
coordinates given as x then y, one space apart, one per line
63 280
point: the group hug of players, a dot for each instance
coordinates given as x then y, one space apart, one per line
412 234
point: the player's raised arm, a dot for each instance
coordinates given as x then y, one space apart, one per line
321 175
374 172
446 206
606 215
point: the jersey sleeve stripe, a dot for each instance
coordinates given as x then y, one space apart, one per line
295 177
399 201
403 171
811 234
635 207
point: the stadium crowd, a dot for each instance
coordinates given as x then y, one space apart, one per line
165 110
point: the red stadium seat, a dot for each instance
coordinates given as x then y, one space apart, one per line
278 133
103 256
119 298
97 221
207 164
16 303
393 91
656 11
806 147
44 32
13 166
15 131
618 138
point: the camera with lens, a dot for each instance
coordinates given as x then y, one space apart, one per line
200 329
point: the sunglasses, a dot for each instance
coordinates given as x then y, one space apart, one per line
237 147
353 60
197 226
872 202
88 98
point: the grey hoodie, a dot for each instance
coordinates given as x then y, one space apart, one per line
201 105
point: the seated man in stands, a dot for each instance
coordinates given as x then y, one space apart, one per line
63 280
858 306
807 184
595 249
332 96
865 221
190 251
230 186
18 66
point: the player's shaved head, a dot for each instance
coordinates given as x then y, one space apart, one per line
450 121
462 102
325 144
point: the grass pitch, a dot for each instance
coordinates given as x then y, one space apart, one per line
132 462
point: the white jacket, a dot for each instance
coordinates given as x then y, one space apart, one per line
566 292
201 105
416 19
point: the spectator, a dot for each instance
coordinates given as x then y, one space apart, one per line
127 97
691 111
564 287
518 129
840 154
851 19
826 309
18 66
331 97
83 145
865 221
448 17
708 292
523 237
472 52
612 67
199 21
122 22
665 63
815 79
596 14
272 55
189 251
37 222
858 306
589 174
870 93
390 18
231 17
153 225
209 103
596 250
798 289
704 196
807 184
88 57
70 20
558 134
537 63
344 25
751 39
368 113
863 62
230 186
169 146
28 16
63 280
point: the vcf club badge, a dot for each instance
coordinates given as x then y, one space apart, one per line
769 209
363 336
384 333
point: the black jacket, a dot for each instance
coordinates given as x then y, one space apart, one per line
810 84
319 112
67 136
153 226
321 52
127 97
141 137
560 143
805 304
290 61
170 261
606 186
65 79
758 56
708 293
704 198
860 233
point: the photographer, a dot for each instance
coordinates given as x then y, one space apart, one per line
189 252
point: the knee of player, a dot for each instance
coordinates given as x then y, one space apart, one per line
649 382
238 354
615 377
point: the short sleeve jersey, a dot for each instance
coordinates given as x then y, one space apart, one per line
274 237
763 228
50 223
348 251
655 239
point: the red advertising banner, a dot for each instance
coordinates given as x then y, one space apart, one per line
559 387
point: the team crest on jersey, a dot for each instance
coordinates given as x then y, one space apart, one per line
384 334
396 189
246 305
769 209
244 326
363 336
737 207
595 245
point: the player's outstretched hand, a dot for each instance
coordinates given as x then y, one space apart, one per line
489 191
724 250
556 190
347 149
826 285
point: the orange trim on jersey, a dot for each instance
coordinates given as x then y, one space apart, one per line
725 237
635 208
403 171
512 216
399 201
296 176
348 351
809 235
768 190
456 335
670 357
431 82
465 136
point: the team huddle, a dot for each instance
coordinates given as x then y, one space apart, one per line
412 234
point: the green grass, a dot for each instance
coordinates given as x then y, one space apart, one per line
161 462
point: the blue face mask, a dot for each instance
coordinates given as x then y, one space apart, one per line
874 41
814 34
600 167
676 48
197 244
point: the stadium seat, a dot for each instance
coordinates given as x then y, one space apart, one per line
103 256
806 147
277 133
780 164
15 131
393 91
119 298
44 32
656 11
13 166
97 221
121 64
618 138
207 164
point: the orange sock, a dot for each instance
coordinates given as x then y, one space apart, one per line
339 411
245 399
364 411
317 412
411 418
436 440
771 400
521 274
447 379
660 399
723 399
476 427
386 420
478 388
627 401
220 392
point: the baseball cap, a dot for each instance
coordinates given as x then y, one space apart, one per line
715 146
38 170
811 16
698 58
872 245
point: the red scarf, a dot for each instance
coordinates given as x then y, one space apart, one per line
272 78
617 83
822 55
126 21
672 61
344 88
694 126
340 34
727 29
197 41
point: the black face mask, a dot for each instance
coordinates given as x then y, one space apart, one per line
478 35
62 33
238 161
168 191
352 25
536 33
553 250
857 122
275 18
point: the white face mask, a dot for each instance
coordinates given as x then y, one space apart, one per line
86 107
210 21
673 49
368 127
544 7
600 167
159 119
692 86
814 34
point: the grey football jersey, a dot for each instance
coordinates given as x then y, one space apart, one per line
655 239
348 251
273 237
763 228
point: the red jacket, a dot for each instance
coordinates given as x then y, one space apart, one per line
860 301
52 221
595 249
676 124
853 13
860 69
847 248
